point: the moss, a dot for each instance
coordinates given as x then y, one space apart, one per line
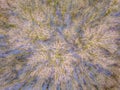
43 38
7 25
108 12
58 55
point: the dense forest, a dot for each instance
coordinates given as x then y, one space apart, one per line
59 44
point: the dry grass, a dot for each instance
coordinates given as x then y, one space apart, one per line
60 44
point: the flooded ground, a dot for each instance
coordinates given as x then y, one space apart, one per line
59 44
